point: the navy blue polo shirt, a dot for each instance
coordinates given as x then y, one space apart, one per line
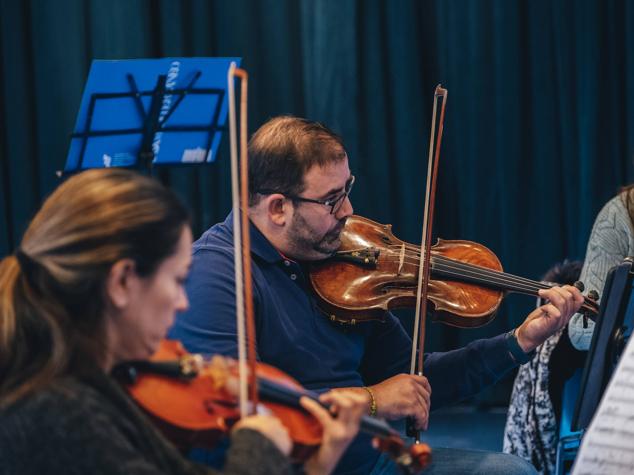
295 336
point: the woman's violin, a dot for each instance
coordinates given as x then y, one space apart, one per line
190 400
374 271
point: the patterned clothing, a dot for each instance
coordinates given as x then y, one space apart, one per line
611 240
531 427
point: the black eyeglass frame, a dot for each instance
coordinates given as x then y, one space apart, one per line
334 203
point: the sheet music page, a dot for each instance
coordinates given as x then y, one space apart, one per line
608 445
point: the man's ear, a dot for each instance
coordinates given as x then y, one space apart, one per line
277 207
120 282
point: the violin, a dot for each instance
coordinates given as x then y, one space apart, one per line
190 400
373 272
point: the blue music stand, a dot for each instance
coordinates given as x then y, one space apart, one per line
144 113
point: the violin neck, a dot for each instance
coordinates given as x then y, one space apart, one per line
128 371
449 269
272 391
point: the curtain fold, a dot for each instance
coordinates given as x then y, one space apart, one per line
539 130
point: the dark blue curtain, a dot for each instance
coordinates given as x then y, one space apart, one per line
539 130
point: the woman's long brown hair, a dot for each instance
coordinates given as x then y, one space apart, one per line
52 295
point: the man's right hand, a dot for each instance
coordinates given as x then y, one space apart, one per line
404 395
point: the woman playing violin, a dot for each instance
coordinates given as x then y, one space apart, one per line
96 281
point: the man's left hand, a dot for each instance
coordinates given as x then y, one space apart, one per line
561 304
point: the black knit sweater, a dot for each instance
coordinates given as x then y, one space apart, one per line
90 426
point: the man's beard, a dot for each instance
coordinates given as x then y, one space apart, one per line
307 245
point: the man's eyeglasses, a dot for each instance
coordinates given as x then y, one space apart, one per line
335 203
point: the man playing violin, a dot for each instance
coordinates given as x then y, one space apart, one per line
299 186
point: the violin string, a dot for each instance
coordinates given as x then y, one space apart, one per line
491 276
460 269
460 273
493 280
496 278
505 280
483 270
521 283
488 274
501 283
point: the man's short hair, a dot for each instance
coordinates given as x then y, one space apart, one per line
284 149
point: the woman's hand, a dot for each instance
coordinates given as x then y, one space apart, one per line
271 428
341 425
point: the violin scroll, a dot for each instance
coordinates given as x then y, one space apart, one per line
412 460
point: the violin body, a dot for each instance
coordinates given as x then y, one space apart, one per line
197 412
191 404
189 412
376 275
374 272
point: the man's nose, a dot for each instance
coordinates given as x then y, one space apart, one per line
345 210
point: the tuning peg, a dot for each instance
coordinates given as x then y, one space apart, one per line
593 294
579 285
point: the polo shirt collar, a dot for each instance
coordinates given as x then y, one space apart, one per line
260 245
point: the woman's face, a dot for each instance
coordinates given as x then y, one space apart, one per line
136 329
